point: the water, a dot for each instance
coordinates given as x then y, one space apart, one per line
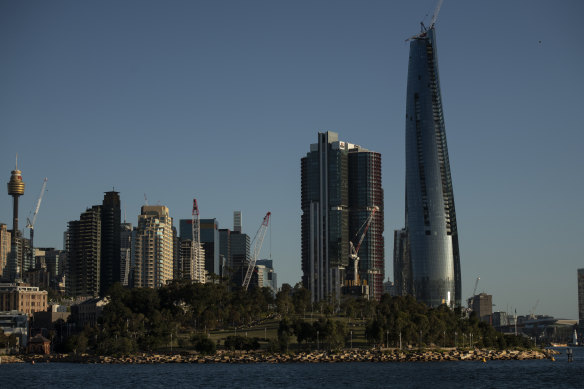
499 374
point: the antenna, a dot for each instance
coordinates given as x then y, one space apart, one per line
145 199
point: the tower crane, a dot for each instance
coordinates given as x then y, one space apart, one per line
30 224
257 246
422 34
197 272
474 292
354 251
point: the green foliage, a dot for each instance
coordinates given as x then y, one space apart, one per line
241 343
203 344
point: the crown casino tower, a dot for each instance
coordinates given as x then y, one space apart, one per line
426 254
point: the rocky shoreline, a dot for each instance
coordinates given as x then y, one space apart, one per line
313 357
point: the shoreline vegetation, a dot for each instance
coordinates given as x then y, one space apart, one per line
237 357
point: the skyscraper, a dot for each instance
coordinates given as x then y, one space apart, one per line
84 253
15 189
430 217
110 241
5 247
152 248
340 183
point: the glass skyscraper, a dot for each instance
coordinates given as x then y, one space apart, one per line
426 257
340 184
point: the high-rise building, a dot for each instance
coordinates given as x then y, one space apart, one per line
240 257
430 217
152 249
237 221
366 193
110 241
581 297
84 254
5 246
341 183
482 304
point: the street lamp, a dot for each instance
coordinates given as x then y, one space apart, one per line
387 339
351 339
317 340
400 343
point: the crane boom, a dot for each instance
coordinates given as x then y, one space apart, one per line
30 224
353 274
435 16
257 246
474 292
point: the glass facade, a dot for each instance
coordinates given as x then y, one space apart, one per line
335 175
432 235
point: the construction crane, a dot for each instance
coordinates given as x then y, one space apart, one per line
257 246
425 29
354 251
197 272
474 292
532 312
30 223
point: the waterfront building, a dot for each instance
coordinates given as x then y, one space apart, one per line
430 217
152 248
340 185
88 312
17 324
22 298
84 254
5 239
110 241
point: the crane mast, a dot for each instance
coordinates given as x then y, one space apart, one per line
257 246
354 251
30 224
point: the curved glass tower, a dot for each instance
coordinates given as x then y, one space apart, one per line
430 239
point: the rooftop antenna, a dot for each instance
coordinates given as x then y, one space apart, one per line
145 199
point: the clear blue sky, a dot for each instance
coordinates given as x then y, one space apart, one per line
219 100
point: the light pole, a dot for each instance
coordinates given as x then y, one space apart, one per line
455 333
351 339
387 339
317 340
400 344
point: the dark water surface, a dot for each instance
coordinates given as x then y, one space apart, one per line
464 374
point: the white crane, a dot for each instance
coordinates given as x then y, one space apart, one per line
354 251
432 23
30 224
257 246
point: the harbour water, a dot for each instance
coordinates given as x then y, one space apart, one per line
500 374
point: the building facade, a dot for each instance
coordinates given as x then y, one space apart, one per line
125 253
240 257
340 184
5 239
110 241
84 254
22 298
430 217
153 248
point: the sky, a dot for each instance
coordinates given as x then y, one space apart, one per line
219 100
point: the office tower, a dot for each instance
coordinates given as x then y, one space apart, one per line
153 248
240 257
5 246
340 184
430 217
581 297
237 221
125 252
15 189
209 236
110 241
482 304
84 254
